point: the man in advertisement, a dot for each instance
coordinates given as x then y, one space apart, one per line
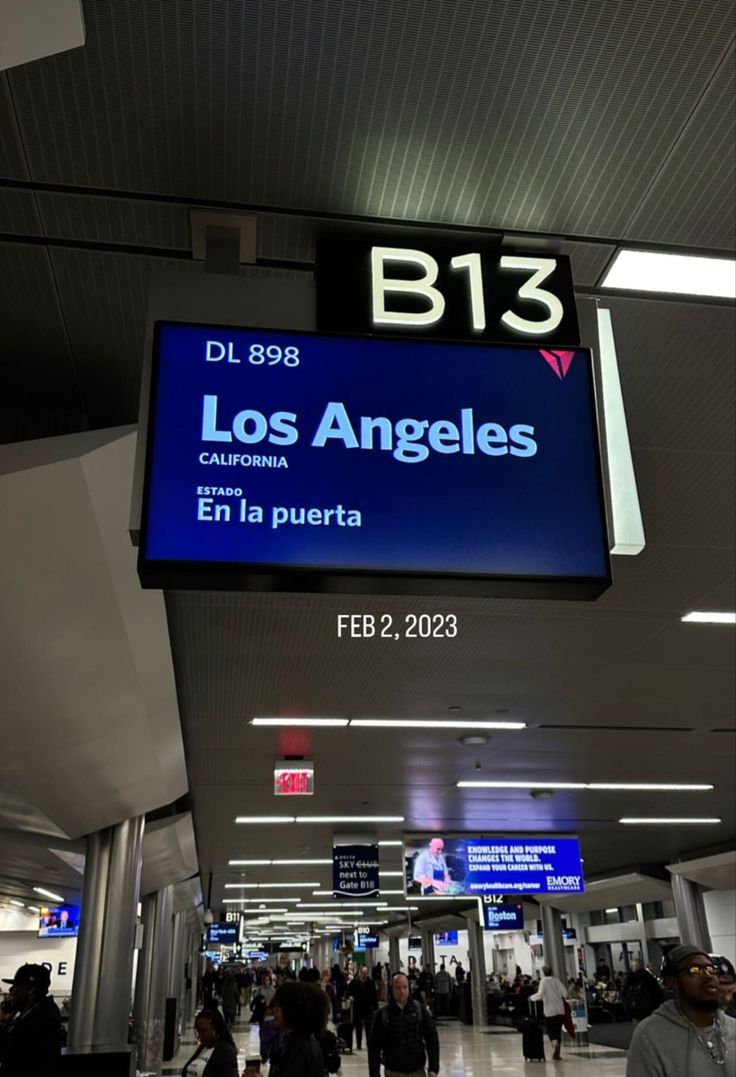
430 869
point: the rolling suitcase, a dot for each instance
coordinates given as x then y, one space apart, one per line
532 1036
345 1037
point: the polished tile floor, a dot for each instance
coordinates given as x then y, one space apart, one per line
465 1052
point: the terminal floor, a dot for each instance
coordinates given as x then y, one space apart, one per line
465 1052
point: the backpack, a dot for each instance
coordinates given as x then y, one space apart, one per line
330 1053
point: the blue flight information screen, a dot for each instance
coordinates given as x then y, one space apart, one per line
502 917
273 453
476 866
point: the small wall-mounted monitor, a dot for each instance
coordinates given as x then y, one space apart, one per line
446 938
61 922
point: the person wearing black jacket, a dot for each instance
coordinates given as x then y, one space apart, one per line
362 991
30 1039
216 1054
403 1036
301 1010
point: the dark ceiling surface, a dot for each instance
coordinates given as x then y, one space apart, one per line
592 123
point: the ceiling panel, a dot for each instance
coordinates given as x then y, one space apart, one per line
691 199
12 161
550 117
34 353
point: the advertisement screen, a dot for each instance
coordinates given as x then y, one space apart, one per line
61 922
276 457
446 938
468 866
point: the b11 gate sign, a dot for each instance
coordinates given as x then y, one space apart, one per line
297 461
474 867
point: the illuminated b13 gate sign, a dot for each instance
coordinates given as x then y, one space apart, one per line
447 291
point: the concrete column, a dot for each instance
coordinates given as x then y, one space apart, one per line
394 960
643 938
477 973
104 965
177 961
89 943
153 979
554 953
116 963
428 957
690 910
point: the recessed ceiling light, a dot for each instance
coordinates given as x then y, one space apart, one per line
703 617
541 794
401 723
300 721
667 822
685 274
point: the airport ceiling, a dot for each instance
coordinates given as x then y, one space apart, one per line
588 124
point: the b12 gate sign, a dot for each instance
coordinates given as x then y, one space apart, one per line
297 461
474 867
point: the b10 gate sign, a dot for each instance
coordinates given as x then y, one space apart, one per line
474 867
296 461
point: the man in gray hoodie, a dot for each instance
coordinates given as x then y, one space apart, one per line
688 1036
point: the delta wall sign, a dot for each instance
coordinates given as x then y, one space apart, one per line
300 461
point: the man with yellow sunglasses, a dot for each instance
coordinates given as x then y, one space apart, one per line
688 1036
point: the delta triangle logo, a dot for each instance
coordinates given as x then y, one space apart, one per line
559 361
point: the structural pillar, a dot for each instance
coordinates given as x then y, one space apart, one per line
690 911
153 979
554 951
477 973
428 947
394 959
104 963
176 973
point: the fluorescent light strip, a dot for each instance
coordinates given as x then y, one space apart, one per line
667 822
401 723
47 893
300 721
330 893
383 844
651 787
392 875
342 905
279 863
684 274
703 617
350 818
268 886
20 904
33 908
263 900
250 863
265 819
260 912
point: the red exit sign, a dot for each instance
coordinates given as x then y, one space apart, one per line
293 779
